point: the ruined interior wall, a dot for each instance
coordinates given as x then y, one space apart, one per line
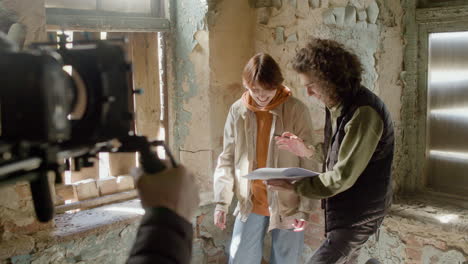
210 46
188 74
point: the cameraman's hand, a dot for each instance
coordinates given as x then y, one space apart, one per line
174 188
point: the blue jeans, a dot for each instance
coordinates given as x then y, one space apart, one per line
247 242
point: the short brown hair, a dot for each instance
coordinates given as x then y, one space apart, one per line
262 69
333 63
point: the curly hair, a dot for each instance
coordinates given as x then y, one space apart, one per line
262 69
333 64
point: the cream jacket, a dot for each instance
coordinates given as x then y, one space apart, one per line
238 159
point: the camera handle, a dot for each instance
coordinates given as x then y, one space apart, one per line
149 159
41 195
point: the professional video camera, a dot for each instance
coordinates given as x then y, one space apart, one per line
48 116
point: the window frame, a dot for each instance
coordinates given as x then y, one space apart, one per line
58 19
431 20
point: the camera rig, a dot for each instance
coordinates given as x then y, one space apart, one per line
49 115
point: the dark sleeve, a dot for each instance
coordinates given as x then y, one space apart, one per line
163 237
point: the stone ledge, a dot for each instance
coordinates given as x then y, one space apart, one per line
75 226
98 201
449 218
100 219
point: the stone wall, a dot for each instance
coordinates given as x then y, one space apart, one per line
371 29
101 235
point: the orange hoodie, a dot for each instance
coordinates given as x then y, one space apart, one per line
264 121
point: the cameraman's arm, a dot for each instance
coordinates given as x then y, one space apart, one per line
165 233
163 237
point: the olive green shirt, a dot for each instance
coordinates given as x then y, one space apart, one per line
363 133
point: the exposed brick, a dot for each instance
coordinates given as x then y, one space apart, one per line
413 242
218 258
314 235
414 254
442 245
31 228
316 218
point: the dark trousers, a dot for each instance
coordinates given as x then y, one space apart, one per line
343 245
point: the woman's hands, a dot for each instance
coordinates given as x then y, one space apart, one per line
299 225
290 142
220 219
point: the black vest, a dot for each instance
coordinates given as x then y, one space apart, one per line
371 195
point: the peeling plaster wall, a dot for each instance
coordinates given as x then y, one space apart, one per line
189 85
210 47
231 46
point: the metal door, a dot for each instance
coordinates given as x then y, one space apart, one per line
447 112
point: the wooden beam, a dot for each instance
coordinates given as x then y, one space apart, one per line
122 163
442 14
146 77
86 20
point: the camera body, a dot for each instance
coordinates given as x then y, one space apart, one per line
34 101
49 115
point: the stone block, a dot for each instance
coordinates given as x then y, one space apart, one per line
263 3
350 16
292 38
339 13
277 3
414 254
263 15
361 24
279 35
328 17
314 3
125 183
64 192
324 3
107 185
372 12
293 3
362 15
85 189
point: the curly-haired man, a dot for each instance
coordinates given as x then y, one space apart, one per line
355 188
